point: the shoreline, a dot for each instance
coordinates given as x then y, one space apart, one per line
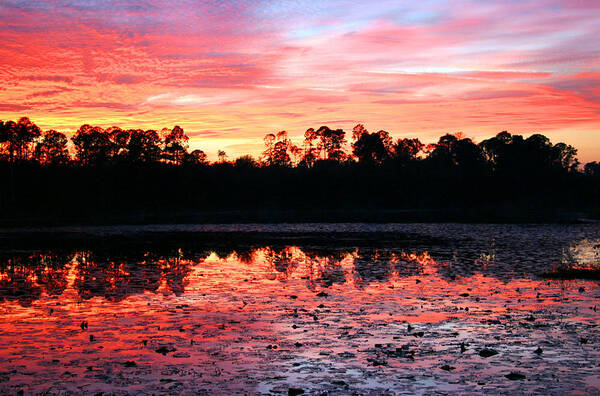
503 215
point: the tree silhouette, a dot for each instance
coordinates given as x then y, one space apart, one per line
311 149
175 146
372 148
116 170
496 149
222 155
332 141
267 155
278 149
92 145
441 152
245 161
358 131
52 149
406 150
453 151
17 139
512 154
143 146
565 157
196 157
120 141
592 169
468 155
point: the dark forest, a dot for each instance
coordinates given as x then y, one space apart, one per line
110 175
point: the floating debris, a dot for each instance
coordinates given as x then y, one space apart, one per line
165 349
485 353
515 376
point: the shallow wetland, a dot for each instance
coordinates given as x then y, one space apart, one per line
313 308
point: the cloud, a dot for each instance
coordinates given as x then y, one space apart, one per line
242 68
128 79
52 78
50 92
10 107
585 84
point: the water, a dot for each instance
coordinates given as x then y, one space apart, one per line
326 308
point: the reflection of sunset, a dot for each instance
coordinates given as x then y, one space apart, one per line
89 275
233 318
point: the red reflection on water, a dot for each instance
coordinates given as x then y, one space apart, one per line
242 320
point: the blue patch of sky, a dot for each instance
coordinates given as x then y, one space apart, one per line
314 18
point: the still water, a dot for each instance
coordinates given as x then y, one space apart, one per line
319 308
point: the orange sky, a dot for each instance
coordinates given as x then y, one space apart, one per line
229 72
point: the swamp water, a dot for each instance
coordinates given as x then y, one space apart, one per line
280 309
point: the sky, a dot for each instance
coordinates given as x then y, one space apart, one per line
229 72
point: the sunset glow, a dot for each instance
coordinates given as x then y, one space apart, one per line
228 72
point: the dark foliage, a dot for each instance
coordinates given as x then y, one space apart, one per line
115 171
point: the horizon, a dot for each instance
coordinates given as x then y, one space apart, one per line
230 72
259 155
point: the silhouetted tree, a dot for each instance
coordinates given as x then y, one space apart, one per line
358 131
52 149
17 139
372 148
311 148
565 157
278 148
495 149
267 155
92 145
592 169
332 141
175 146
512 154
452 173
451 150
222 155
468 155
144 146
196 157
245 161
120 141
406 150
440 153
5 133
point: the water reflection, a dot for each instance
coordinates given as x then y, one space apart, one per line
174 315
24 277
116 274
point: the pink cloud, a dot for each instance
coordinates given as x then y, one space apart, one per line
238 70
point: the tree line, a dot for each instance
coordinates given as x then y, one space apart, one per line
24 141
502 153
126 170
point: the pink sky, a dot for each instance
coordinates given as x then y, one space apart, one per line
229 72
